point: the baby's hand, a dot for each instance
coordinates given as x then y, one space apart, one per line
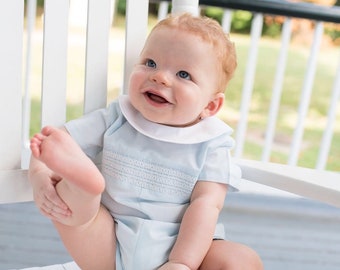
46 197
173 266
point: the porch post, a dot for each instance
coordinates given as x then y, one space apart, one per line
191 6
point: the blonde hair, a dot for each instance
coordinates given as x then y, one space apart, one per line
210 31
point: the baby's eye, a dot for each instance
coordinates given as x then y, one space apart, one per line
150 63
183 74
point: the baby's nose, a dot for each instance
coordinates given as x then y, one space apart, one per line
161 77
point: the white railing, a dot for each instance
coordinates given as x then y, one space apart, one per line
327 14
290 10
54 84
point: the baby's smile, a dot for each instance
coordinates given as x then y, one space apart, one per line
156 98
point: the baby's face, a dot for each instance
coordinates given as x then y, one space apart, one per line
175 79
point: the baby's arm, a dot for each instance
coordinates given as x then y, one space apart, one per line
198 226
43 181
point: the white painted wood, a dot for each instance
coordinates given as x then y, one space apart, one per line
99 23
256 31
136 31
26 102
11 31
306 95
226 20
162 10
30 21
55 62
328 132
181 6
319 185
14 186
277 90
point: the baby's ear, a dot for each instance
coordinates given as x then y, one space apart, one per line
213 106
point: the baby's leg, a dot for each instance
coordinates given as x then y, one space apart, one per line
93 245
224 255
88 233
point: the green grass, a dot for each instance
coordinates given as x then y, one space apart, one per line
293 82
73 111
262 92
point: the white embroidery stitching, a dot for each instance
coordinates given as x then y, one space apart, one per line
146 175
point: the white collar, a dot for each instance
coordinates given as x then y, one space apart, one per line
205 130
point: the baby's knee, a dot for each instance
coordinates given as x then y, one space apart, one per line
226 255
243 257
250 259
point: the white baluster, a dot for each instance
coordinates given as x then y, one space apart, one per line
26 102
136 30
181 6
306 95
226 20
163 10
277 90
98 30
247 91
55 62
328 132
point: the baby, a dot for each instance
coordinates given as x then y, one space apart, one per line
164 162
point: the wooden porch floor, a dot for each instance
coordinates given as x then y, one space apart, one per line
288 233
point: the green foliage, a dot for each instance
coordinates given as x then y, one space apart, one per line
215 13
40 3
334 34
272 30
241 21
73 111
35 124
121 7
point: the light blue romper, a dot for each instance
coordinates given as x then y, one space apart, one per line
150 172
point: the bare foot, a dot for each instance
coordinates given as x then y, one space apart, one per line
61 153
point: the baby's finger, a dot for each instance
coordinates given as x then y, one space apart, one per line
53 215
46 214
52 209
46 207
54 198
56 210
58 216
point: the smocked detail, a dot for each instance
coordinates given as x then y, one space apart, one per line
147 175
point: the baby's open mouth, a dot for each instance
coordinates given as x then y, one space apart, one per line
156 98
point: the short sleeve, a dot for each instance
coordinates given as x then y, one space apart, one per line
219 167
88 131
